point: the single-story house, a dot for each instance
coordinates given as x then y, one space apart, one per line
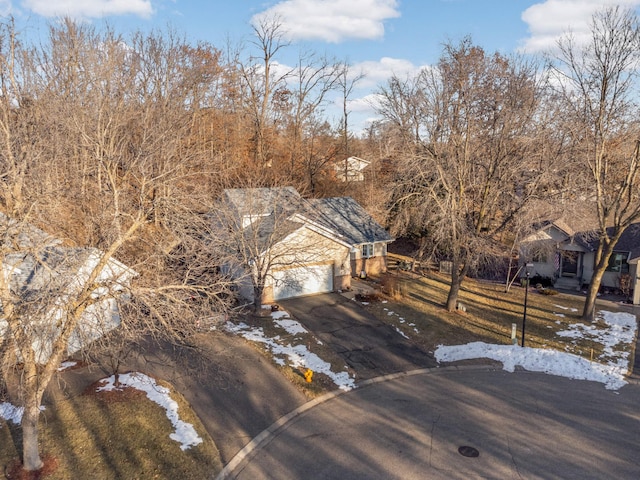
311 245
567 257
45 276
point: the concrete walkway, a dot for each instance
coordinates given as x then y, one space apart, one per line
412 426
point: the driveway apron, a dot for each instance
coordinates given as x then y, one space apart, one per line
370 347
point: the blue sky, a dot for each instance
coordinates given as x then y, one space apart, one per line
377 37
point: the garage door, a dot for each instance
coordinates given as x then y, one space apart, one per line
295 282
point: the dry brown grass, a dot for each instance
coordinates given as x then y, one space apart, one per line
112 435
490 313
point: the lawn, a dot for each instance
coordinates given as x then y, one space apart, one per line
414 304
108 435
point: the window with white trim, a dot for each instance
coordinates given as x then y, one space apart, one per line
367 250
618 263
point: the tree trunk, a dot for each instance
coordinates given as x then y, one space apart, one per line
603 254
457 276
258 291
589 311
30 449
452 298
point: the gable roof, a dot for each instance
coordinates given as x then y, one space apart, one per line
340 217
263 201
45 275
628 242
347 218
581 239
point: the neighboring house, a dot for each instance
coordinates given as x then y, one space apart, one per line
44 277
567 257
313 246
351 169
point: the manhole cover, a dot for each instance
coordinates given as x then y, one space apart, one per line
467 451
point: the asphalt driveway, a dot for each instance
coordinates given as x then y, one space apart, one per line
370 347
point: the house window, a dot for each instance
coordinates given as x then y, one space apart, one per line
367 250
540 257
618 263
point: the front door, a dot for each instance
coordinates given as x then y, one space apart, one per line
569 264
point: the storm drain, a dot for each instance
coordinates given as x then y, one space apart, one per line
467 451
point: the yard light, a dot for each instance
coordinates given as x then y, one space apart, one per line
528 268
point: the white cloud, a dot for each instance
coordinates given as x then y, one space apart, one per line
379 71
89 8
364 104
332 20
550 19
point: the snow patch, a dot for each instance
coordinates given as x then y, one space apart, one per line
184 432
621 329
297 356
11 413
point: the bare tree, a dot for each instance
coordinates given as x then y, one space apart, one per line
464 174
262 80
314 77
598 83
347 81
92 153
318 154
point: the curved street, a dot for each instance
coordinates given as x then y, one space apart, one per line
522 425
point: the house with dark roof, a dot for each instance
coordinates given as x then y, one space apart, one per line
312 245
567 257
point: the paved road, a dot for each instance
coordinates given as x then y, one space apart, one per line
524 426
369 346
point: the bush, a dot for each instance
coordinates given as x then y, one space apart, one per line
548 291
545 282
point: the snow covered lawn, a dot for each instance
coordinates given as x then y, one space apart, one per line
619 330
184 433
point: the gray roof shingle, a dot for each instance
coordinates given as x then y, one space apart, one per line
343 216
347 218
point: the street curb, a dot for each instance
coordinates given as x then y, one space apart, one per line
264 437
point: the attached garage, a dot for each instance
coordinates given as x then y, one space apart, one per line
294 246
303 280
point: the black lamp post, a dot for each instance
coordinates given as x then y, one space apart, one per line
527 269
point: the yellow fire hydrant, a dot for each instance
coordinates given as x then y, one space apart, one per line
308 375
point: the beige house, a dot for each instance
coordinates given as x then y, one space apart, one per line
302 246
